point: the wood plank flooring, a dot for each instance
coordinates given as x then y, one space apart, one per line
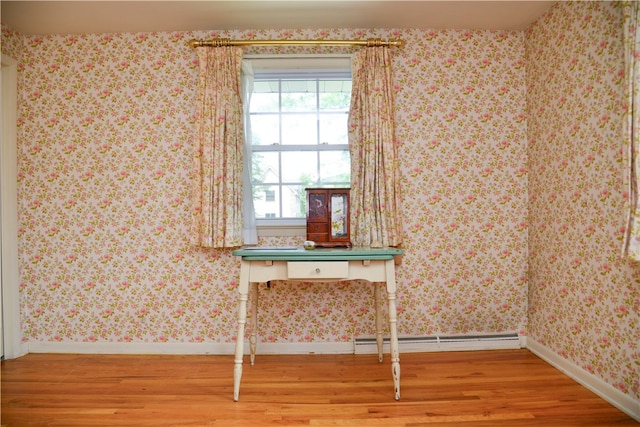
480 388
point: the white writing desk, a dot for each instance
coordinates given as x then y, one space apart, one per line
261 265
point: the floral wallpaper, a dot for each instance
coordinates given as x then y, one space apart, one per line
105 139
11 42
584 299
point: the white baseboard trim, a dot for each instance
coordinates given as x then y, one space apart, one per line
305 348
359 346
130 348
188 348
624 402
17 350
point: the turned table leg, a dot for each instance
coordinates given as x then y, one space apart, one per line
393 328
253 338
379 336
243 295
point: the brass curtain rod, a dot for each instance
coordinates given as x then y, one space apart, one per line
229 42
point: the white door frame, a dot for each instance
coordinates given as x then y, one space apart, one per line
11 332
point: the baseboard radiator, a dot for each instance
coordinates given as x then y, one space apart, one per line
443 343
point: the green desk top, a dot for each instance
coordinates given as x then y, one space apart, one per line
294 253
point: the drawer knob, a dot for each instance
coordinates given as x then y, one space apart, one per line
317 270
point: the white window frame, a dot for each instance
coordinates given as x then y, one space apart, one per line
281 64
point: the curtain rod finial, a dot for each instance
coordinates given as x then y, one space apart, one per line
379 42
214 42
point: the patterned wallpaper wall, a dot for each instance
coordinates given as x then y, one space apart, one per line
104 164
584 300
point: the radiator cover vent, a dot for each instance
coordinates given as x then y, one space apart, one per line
444 343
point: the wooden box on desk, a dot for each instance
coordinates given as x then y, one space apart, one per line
328 217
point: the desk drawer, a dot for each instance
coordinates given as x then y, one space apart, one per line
313 227
318 269
318 237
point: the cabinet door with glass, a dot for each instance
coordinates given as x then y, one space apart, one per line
328 216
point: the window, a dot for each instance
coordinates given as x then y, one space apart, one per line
299 136
270 196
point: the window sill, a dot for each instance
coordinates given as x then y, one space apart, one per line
287 229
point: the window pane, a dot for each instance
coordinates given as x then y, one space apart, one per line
333 129
265 167
265 102
294 200
299 95
335 168
299 129
334 100
300 166
265 129
266 201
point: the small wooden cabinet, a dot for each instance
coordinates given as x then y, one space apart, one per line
328 216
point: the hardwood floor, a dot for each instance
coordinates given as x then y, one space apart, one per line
480 388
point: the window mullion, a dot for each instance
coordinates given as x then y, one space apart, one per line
280 117
280 192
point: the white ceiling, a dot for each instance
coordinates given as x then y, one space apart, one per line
73 17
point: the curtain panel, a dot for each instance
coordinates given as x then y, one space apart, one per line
250 232
631 161
375 199
217 218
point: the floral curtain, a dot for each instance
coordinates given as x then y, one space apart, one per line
250 232
218 150
631 31
375 191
